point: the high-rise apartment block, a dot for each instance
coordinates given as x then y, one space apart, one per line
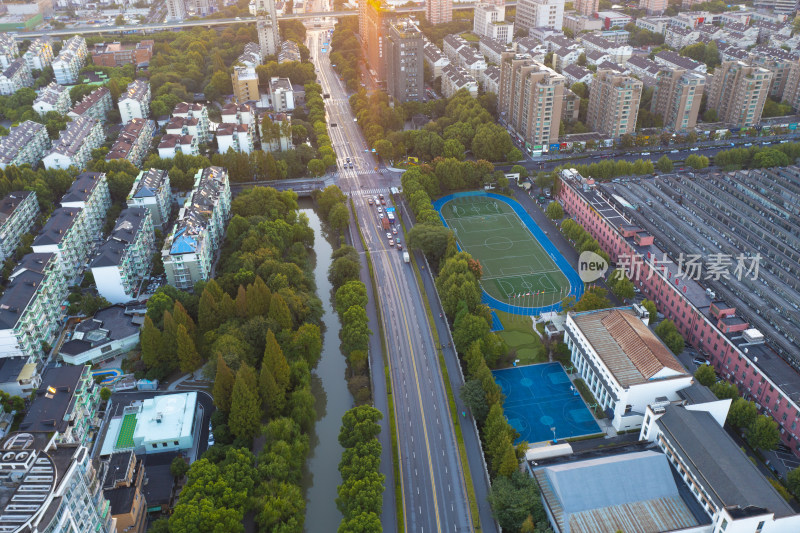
176 10
124 260
245 84
785 7
30 307
51 486
133 142
614 103
404 54
439 11
653 7
151 190
267 28
15 77
75 144
490 21
135 103
738 92
39 54
71 59
18 212
540 14
94 105
71 229
9 50
199 112
677 98
54 97
530 99
371 15
26 143
587 7
281 94
190 247
237 137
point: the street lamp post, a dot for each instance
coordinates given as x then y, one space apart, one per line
553 429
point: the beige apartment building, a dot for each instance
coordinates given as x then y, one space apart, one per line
245 84
531 97
677 98
614 103
738 92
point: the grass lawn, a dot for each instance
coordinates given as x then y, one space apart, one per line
524 344
471 37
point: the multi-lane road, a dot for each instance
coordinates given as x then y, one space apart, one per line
434 492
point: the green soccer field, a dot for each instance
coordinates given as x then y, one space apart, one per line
513 261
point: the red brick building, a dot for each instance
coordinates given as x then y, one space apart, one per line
115 54
737 351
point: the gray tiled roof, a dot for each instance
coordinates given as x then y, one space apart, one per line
47 414
51 93
10 203
713 457
57 226
152 180
82 188
72 139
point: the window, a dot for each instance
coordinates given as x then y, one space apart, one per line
175 442
163 444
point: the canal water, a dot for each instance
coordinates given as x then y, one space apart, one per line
333 399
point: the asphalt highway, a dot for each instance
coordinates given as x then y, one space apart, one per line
433 487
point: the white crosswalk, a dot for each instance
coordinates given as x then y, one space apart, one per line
372 192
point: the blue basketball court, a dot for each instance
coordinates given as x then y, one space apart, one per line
541 397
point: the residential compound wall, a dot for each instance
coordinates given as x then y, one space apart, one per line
739 354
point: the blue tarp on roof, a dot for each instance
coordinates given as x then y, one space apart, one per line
183 244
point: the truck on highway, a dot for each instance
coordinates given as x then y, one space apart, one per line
390 216
406 257
385 223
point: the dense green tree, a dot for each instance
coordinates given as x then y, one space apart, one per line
593 298
697 162
515 498
359 424
554 211
705 375
474 397
178 468
668 333
150 339
793 477
279 312
742 413
725 390
223 385
245 413
350 294
274 377
763 434
354 333
188 357
365 522
301 408
664 164
432 240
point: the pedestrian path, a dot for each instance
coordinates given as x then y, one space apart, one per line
367 192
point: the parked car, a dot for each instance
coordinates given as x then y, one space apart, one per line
700 361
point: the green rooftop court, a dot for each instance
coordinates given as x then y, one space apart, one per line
125 438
